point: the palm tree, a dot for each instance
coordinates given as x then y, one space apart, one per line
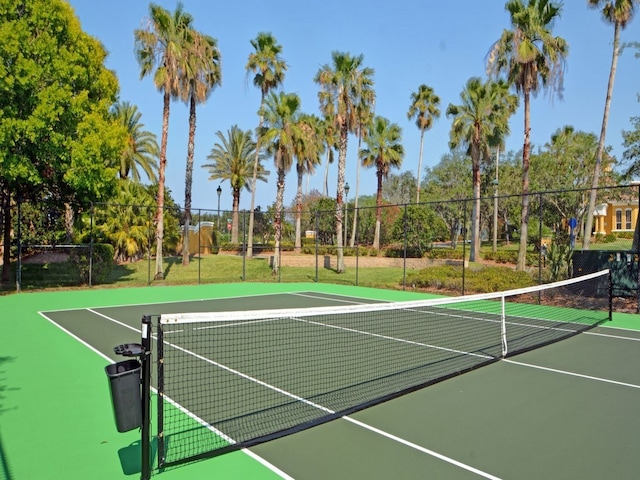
480 122
308 149
233 160
364 117
341 90
383 150
125 222
200 73
269 69
332 141
619 13
141 149
424 108
283 134
531 58
161 46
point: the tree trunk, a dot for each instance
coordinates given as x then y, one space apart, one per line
160 200
188 180
278 219
354 224
526 151
376 235
419 165
475 211
298 242
586 238
256 162
235 218
342 165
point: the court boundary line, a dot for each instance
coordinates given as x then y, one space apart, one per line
420 448
254 456
168 302
571 374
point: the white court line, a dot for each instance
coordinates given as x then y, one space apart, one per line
617 337
421 449
572 374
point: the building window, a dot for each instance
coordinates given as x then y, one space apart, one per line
618 219
627 219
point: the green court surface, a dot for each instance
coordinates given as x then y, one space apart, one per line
567 410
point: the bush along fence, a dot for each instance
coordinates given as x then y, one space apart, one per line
434 245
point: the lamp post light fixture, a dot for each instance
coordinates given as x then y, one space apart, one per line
346 197
219 192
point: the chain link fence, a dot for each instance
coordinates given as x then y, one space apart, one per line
51 245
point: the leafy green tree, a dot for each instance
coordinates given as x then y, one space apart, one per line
343 85
400 189
480 122
160 49
283 135
418 227
269 69
447 186
383 150
200 74
564 167
424 108
618 13
532 59
232 160
141 148
57 139
631 143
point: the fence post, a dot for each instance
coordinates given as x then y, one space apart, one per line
464 240
540 239
316 242
404 253
19 269
91 244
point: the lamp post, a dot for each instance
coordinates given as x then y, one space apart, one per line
219 192
346 196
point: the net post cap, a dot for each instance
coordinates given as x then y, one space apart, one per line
129 350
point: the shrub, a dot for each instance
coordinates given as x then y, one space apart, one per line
485 279
100 266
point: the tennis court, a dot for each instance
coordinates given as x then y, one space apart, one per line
567 410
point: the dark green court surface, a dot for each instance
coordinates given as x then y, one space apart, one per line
567 410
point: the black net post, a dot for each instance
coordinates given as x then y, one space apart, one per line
145 359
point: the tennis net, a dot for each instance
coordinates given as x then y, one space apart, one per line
233 379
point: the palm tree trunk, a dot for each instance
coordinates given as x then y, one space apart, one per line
160 200
298 242
354 224
376 235
526 152
253 184
419 165
342 165
325 185
235 220
475 211
586 238
278 220
188 180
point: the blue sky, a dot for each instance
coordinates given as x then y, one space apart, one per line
406 42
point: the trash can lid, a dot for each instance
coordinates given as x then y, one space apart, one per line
129 350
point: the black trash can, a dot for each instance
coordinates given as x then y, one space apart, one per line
124 381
